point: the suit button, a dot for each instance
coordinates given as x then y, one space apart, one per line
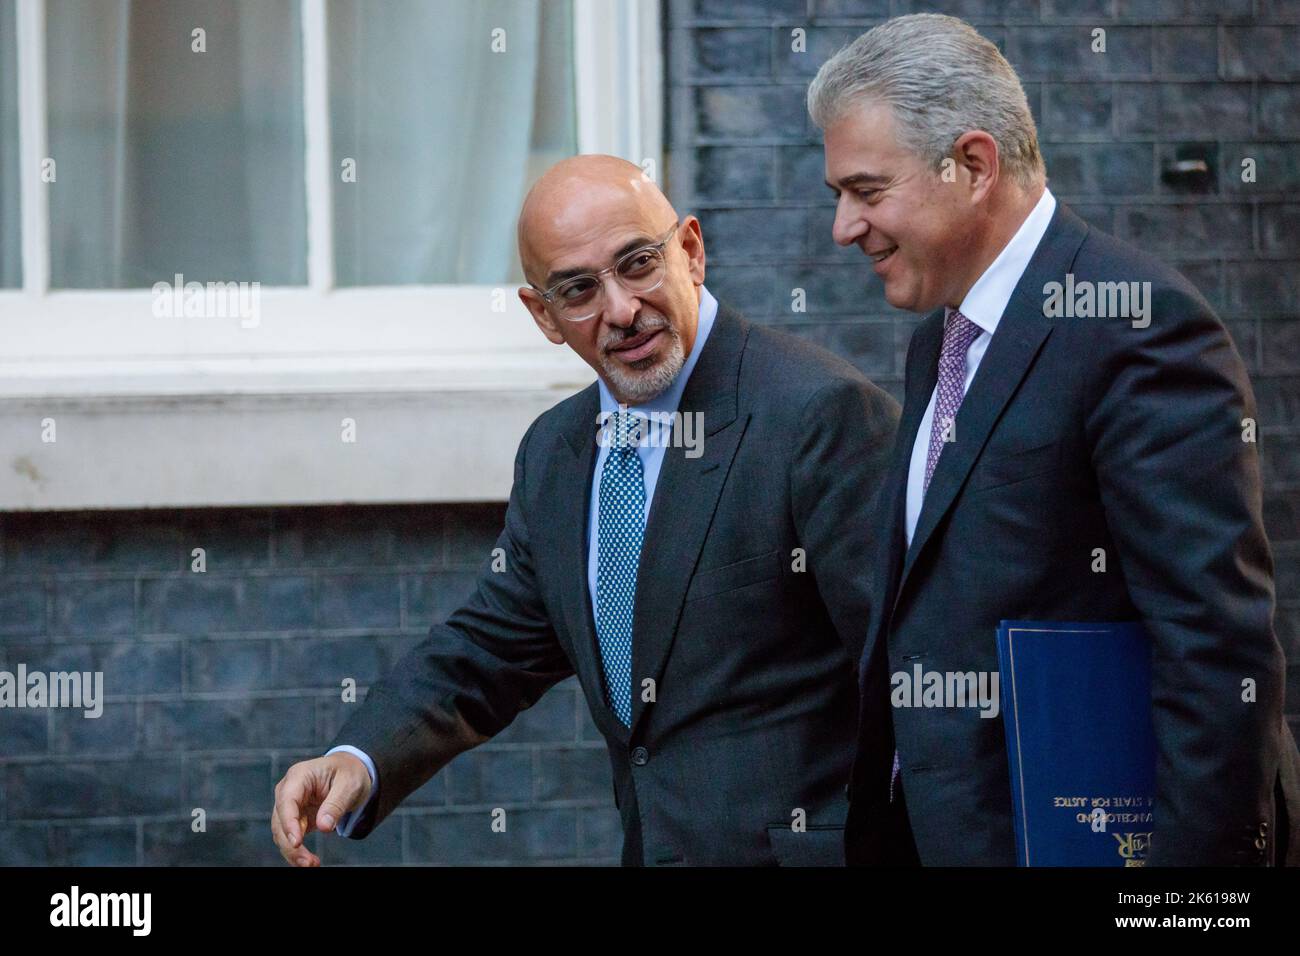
1263 829
1260 843
640 756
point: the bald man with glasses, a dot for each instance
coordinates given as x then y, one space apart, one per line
688 535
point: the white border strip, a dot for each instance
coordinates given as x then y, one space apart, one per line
316 134
33 146
618 70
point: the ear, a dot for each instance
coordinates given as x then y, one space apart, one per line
976 152
536 307
693 246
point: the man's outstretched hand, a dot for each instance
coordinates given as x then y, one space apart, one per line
313 795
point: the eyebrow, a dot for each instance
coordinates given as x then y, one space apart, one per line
858 179
560 275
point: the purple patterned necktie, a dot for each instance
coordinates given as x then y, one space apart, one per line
958 334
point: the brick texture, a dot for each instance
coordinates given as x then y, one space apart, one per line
216 681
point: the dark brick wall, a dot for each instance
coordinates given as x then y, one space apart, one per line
215 682
1218 74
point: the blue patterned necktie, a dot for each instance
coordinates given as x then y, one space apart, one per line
620 528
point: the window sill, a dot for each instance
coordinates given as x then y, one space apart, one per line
182 416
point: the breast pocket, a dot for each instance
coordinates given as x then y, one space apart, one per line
739 574
1016 466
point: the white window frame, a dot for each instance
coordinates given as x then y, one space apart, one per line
130 384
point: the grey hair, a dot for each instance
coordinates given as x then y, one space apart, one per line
941 79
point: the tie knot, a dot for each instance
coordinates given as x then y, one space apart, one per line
958 333
624 429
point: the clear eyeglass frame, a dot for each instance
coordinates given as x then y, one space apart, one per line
653 279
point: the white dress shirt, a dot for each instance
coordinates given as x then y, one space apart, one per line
983 305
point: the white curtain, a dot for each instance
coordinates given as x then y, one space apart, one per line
447 107
171 158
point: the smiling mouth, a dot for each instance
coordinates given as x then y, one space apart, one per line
883 254
638 347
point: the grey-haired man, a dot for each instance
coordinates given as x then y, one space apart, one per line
1034 433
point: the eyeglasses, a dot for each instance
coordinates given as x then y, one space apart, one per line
642 270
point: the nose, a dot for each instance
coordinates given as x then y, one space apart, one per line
848 227
621 306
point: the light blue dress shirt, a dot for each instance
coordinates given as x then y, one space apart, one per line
651 451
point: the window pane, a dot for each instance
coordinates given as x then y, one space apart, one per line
447 109
11 273
176 152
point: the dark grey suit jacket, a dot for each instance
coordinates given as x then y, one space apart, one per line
1076 434
753 661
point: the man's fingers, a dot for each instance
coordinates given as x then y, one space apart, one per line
345 793
286 813
303 857
281 841
291 795
314 795
295 856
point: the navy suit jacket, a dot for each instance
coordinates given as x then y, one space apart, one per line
1077 434
752 605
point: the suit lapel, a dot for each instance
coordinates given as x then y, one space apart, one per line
1021 332
574 465
686 496
922 373
920 376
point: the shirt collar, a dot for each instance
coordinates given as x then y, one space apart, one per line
988 297
671 397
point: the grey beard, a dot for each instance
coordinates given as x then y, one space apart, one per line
638 387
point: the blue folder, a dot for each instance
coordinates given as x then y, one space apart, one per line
1076 706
